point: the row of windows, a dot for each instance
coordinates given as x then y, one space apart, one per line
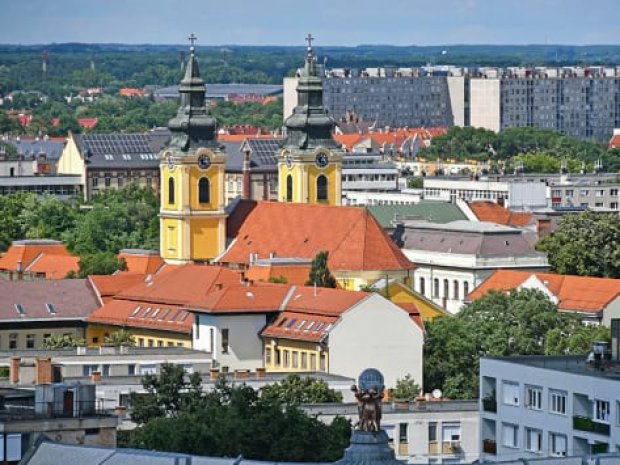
287 358
456 295
30 340
533 440
204 190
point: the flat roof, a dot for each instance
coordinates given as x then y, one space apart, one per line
573 364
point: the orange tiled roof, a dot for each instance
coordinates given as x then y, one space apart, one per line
88 123
27 251
143 315
575 293
351 235
141 263
294 274
300 326
614 142
54 266
240 298
181 284
494 213
413 313
322 300
348 140
109 285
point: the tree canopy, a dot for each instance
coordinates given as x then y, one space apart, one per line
585 244
319 272
523 322
294 390
230 420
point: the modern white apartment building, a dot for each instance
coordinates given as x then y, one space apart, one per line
543 406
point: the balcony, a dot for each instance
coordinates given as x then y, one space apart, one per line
489 446
489 405
582 423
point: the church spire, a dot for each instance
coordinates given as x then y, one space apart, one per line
193 126
309 126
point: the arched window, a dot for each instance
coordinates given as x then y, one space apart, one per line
171 190
289 188
422 286
321 188
456 290
204 191
436 287
465 288
446 289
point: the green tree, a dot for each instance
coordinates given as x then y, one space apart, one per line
61 341
406 388
416 182
575 338
497 324
319 272
100 263
122 337
11 208
295 390
228 421
586 244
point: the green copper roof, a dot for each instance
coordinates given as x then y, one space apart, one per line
429 210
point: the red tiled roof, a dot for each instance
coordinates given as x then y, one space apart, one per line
181 284
27 251
239 298
87 123
54 266
322 300
293 273
143 315
614 142
575 293
413 313
141 263
300 326
351 235
494 213
110 285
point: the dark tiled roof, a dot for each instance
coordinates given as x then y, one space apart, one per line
480 239
28 300
429 210
28 147
122 150
263 152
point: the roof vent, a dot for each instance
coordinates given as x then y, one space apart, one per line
50 309
19 308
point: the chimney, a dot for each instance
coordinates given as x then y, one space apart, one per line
43 370
14 370
543 227
95 377
246 194
20 269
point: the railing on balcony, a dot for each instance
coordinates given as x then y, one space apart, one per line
600 448
489 446
582 423
489 405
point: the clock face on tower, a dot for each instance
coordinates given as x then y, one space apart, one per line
204 162
321 160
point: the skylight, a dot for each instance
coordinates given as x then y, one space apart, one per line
19 308
50 309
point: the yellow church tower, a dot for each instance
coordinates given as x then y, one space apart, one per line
192 217
310 161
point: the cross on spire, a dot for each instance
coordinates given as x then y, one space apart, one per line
309 39
192 38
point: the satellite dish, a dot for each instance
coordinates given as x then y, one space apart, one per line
437 393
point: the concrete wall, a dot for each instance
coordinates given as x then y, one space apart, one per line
245 347
394 346
485 103
290 95
456 91
612 311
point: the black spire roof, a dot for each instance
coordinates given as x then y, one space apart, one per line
309 126
193 126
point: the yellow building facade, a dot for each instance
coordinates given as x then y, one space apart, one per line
310 162
192 167
287 355
96 334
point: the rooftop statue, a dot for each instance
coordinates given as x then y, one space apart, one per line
369 396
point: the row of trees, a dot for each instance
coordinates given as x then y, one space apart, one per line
524 322
540 150
177 415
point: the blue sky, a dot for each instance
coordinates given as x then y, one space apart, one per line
333 22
